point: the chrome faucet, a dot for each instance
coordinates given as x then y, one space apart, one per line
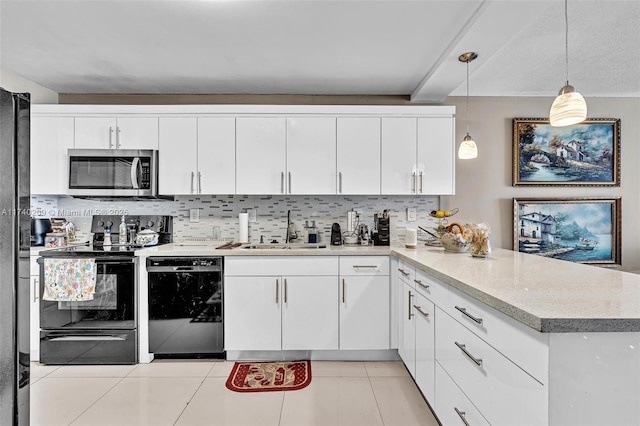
291 234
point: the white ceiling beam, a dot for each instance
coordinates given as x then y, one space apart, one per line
491 25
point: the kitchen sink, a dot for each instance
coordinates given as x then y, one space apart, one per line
293 246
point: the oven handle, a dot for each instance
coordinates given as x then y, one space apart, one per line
86 338
178 269
112 260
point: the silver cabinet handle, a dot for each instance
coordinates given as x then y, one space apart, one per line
364 266
199 183
117 137
289 182
282 182
461 414
403 272
468 315
110 136
277 291
419 309
421 176
286 292
192 176
413 183
463 348
35 290
409 300
419 282
340 182
343 290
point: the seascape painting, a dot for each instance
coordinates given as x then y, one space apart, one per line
584 154
583 230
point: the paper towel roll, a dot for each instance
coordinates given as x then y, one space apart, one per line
243 228
411 237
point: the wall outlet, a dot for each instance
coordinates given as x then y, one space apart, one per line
194 215
253 214
411 214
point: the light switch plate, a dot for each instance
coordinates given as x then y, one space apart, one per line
411 214
194 215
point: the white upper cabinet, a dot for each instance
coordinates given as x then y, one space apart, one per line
261 155
178 156
399 151
358 155
418 155
216 155
51 137
116 132
311 155
436 155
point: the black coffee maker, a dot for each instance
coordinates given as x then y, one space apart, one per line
39 228
381 235
336 235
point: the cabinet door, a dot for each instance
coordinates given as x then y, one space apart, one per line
436 156
261 155
358 155
51 137
177 157
252 313
399 139
406 332
311 155
216 155
424 312
310 313
95 132
137 133
364 312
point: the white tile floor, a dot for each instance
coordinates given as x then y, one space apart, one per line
194 393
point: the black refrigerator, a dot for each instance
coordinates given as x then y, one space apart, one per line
14 257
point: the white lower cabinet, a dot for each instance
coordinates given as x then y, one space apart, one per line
281 303
451 404
407 331
424 318
364 302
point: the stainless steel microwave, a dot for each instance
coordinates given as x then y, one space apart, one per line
113 172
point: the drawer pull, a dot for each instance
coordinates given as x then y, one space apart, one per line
419 282
461 414
419 309
364 266
463 348
403 272
464 311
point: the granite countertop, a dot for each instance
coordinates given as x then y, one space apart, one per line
177 249
548 295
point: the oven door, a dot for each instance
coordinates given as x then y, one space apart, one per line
88 347
113 306
107 172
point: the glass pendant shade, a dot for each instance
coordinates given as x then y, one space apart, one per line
467 149
568 108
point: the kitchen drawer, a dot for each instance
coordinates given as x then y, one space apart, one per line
364 265
430 287
280 265
452 406
502 391
406 272
521 344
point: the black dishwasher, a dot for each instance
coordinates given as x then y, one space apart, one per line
185 307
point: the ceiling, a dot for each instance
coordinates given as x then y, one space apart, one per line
323 47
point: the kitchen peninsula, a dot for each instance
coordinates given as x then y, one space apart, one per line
511 339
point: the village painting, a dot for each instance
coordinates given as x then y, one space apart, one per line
583 230
585 154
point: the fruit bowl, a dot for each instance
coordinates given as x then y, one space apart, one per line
456 239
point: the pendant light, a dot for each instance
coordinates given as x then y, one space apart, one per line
468 148
569 106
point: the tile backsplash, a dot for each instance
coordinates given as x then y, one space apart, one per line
222 211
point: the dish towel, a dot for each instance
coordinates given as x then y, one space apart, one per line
70 280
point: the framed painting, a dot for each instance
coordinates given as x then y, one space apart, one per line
584 154
583 230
